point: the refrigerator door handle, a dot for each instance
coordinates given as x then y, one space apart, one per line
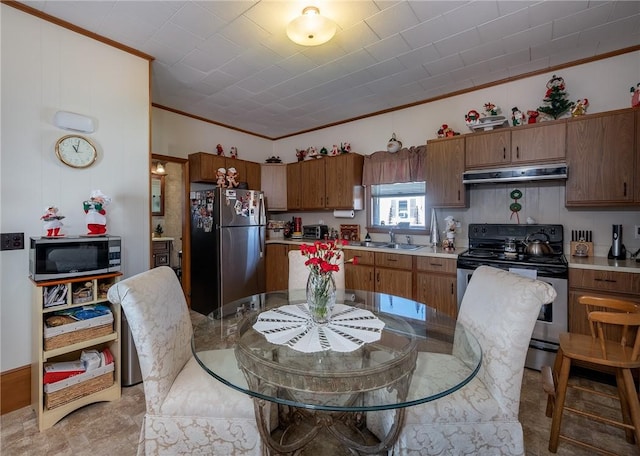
262 222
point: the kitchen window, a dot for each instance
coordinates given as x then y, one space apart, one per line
399 205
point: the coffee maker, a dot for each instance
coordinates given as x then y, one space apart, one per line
617 250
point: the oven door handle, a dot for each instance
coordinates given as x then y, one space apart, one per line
543 345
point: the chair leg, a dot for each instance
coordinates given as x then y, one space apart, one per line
634 404
549 387
561 393
624 406
556 370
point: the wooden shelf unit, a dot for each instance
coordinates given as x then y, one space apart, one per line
46 417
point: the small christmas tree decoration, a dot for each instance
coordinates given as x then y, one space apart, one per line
556 98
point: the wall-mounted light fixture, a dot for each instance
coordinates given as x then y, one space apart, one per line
158 168
311 29
74 122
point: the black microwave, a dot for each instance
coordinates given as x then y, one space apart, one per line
63 257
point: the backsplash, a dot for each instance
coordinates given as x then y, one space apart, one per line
540 201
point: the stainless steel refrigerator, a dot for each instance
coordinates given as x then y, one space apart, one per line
228 229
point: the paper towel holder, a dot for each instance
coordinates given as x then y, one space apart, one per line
344 213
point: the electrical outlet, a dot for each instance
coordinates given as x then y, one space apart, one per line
636 231
11 241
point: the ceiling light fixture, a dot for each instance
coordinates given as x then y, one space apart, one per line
311 29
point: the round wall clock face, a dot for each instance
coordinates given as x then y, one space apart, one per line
76 151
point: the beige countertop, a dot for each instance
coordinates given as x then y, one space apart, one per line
162 239
423 251
596 263
604 264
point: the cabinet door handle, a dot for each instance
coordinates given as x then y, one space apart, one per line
451 288
378 277
458 195
517 151
436 264
504 153
605 280
624 185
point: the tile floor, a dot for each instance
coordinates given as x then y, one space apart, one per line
112 428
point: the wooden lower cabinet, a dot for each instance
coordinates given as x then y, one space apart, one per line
620 285
359 276
277 267
382 272
394 281
436 284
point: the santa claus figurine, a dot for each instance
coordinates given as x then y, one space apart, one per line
52 221
96 215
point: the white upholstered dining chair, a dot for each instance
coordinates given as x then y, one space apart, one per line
500 309
187 410
299 273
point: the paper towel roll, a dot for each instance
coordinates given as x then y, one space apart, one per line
344 214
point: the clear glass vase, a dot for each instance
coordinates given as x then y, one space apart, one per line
321 296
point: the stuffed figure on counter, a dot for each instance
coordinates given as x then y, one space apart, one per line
221 177
232 178
533 115
96 215
220 150
52 221
233 152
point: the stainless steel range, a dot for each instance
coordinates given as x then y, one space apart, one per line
532 250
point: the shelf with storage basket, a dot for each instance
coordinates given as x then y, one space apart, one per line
76 333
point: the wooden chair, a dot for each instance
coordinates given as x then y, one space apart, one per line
599 351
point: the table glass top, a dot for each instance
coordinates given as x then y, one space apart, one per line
379 352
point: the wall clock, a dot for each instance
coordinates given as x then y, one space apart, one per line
76 151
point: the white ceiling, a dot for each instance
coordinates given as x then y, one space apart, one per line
231 61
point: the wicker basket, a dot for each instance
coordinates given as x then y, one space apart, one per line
62 340
65 395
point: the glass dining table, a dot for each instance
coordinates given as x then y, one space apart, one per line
348 376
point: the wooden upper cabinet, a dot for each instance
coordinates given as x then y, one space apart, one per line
326 183
252 175
445 165
533 143
343 174
601 155
312 183
294 199
273 181
537 143
486 149
203 167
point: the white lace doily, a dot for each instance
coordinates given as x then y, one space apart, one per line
291 325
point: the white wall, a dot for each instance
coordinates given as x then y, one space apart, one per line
178 136
605 83
46 68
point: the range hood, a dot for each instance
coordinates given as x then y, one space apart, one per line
557 171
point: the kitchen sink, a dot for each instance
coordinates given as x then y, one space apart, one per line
385 245
402 246
368 244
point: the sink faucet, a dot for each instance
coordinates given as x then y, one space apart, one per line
408 239
392 237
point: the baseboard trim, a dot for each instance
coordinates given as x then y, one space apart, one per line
15 389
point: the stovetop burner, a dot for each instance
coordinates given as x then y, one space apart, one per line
487 245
